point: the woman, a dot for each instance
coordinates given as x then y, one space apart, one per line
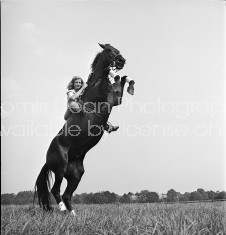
75 88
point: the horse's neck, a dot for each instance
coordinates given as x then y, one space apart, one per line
97 87
96 99
98 81
100 70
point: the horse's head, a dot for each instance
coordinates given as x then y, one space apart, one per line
98 82
113 56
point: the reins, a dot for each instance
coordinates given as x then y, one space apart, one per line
112 66
101 115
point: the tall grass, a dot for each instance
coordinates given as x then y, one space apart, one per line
121 219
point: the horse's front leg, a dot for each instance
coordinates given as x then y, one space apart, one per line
131 82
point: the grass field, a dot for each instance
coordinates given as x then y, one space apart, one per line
121 219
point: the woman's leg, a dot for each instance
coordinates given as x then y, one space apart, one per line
73 107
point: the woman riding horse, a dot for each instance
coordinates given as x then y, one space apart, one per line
81 132
75 89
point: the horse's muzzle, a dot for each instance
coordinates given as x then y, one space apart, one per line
120 62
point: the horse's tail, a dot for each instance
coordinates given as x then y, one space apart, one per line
42 187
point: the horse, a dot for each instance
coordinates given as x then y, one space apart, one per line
81 132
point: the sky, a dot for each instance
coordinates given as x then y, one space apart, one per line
172 131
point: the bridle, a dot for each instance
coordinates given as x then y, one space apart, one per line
113 64
115 61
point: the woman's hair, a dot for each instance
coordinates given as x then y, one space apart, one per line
70 86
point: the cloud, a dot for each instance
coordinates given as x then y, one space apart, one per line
28 27
40 50
11 85
31 35
29 32
36 40
12 93
11 90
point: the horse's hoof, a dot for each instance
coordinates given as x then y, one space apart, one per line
130 90
73 213
62 206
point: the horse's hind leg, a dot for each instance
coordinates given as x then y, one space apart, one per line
56 189
57 163
73 175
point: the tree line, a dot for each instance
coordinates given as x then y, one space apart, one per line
105 197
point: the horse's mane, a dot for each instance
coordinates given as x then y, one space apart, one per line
93 65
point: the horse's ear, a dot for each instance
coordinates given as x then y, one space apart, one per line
102 45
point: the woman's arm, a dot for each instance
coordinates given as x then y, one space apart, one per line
73 96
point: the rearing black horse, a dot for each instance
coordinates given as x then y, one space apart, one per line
81 131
